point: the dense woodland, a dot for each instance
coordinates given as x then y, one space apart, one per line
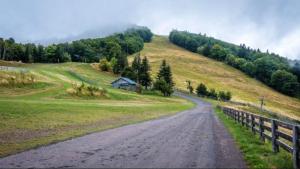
272 69
117 46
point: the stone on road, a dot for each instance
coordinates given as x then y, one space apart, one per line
192 138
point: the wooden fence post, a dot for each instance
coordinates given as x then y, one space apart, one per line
242 114
238 114
235 115
247 120
275 146
261 129
296 147
252 123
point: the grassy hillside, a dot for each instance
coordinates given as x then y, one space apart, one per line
33 115
191 66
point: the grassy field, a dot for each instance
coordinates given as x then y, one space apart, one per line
43 113
191 66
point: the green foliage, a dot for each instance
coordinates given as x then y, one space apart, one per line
145 77
139 71
165 73
162 86
164 82
212 94
129 73
104 65
285 82
251 61
86 90
84 50
218 52
224 96
189 86
201 90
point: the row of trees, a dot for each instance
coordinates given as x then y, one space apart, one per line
269 68
202 91
116 46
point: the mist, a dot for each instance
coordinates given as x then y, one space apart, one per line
272 25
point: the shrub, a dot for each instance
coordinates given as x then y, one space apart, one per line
16 79
224 96
165 88
201 90
86 90
104 65
213 94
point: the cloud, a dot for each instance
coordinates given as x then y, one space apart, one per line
265 24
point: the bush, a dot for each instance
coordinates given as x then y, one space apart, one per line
86 90
224 96
104 65
213 94
16 79
165 88
201 90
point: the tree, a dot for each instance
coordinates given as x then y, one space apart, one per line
264 68
164 82
218 52
212 93
228 95
129 73
50 53
136 67
285 82
201 90
165 88
249 68
104 65
189 86
66 57
145 78
121 64
165 73
224 96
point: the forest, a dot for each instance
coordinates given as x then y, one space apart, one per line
116 46
270 68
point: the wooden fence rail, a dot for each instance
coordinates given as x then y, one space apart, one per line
281 134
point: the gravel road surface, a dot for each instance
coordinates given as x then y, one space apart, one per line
192 138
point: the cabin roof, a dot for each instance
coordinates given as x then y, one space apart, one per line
126 79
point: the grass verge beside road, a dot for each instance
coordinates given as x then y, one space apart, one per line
258 154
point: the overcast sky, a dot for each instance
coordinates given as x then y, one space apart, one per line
264 24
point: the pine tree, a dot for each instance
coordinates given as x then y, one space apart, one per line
136 67
165 73
145 78
164 81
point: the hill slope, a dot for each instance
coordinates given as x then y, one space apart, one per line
191 66
41 114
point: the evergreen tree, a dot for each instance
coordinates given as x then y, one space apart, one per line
136 67
201 90
164 82
165 73
145 78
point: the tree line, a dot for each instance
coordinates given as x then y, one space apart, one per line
116 46
270 68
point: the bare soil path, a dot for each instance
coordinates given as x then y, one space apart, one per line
192 138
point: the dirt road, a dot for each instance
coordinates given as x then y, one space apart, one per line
193 138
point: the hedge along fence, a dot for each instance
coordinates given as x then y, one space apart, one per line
281 134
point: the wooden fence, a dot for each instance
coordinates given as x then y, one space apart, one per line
281 134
